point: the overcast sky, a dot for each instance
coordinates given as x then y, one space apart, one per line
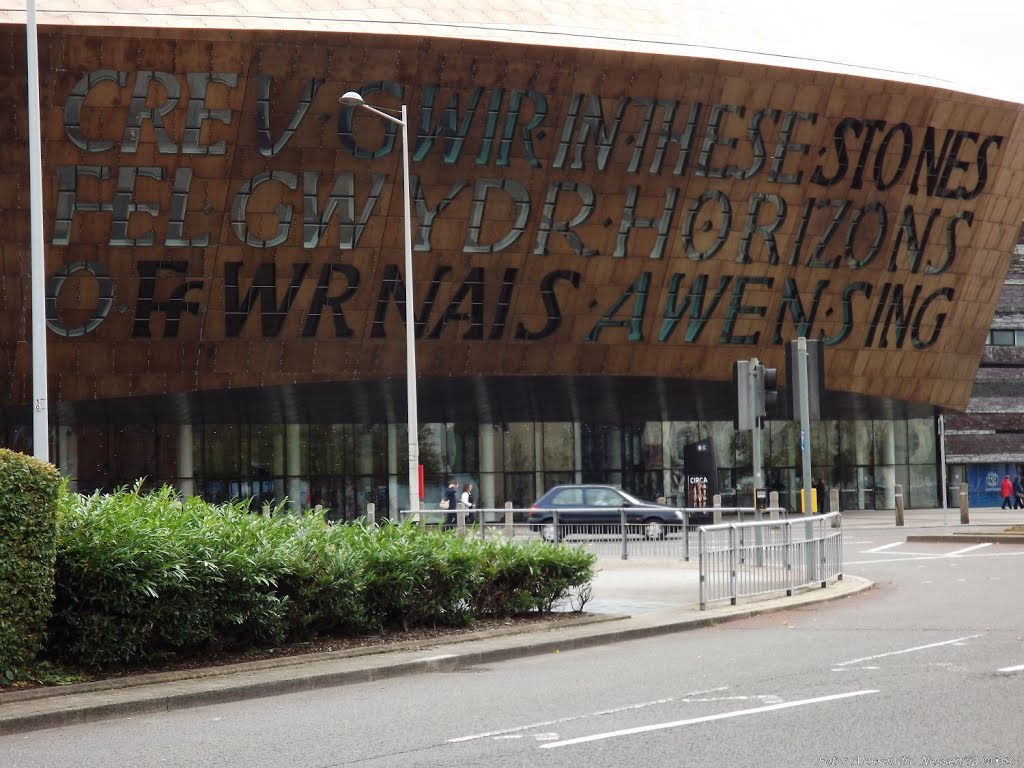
975 45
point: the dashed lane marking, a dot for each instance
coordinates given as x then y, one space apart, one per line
705 719
570 718
907 650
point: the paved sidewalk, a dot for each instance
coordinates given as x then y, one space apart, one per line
631 599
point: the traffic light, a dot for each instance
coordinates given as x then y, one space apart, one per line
765 382
770 384
741 395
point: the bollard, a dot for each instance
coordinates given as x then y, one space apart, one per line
509 530
371 515
833 506
625 533
773 502
965 513
716 500
899 505
460 519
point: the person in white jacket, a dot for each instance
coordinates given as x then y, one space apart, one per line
466 499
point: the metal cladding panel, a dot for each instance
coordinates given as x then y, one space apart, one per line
216 220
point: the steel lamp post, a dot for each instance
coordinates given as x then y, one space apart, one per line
353 99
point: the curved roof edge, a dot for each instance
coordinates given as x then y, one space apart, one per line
880 40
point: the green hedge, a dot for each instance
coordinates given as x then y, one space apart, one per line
28 496
144 576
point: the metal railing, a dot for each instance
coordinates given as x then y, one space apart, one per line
760 558
625 532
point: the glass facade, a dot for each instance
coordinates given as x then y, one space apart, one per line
343 467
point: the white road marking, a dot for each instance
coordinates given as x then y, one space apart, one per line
883 548
570 718
968 549
1014 553
1018 668
438 657
705 719
906 650
851 668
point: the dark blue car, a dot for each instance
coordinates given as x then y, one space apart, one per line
584 508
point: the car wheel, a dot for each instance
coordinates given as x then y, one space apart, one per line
654 528
549 531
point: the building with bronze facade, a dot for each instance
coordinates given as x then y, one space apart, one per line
602 225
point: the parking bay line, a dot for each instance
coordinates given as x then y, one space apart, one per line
1017 668
906 650
705 719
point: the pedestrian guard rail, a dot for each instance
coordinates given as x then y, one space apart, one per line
621 532
766 557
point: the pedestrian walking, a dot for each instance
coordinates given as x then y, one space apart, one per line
1018 493
450 501
1006 488
466 500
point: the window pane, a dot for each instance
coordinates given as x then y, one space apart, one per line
518 448
330 449
603 497
884 443
268 449
724 437
683 433
855 443
825 443
463 451
569 497
223 454
1002 338
558 445
653 448
433 449
924 486
922 441
782 448
519 489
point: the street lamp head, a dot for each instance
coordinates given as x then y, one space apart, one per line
352 99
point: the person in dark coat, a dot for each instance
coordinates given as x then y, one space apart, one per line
451 495
819 489
1018 493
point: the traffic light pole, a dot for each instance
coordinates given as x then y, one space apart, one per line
805 422
755 431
